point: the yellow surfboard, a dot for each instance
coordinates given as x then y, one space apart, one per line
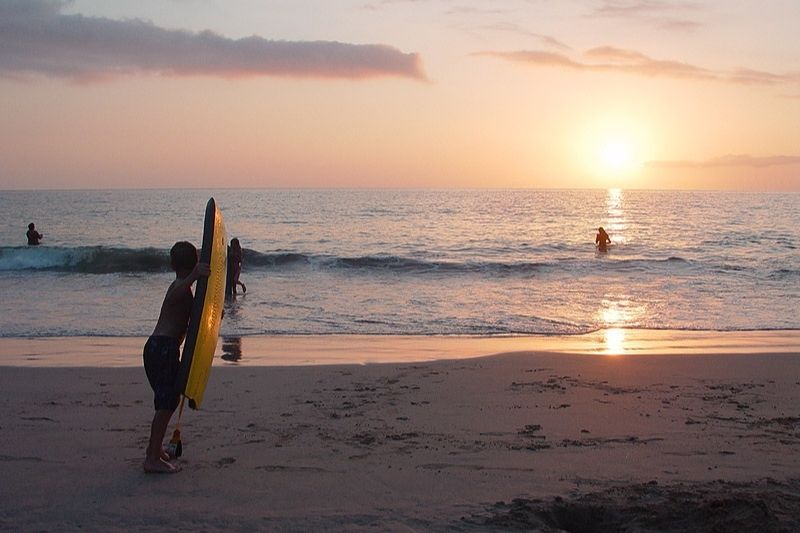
209 297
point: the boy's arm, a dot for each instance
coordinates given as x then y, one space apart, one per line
179 289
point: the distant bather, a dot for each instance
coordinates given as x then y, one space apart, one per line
602 240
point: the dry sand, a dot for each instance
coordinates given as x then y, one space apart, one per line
523 440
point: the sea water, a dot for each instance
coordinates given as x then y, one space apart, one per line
417 262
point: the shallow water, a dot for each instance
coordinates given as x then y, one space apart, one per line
474 262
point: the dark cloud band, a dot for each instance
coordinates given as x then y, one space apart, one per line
37 38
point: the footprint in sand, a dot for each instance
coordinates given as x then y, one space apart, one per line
225 461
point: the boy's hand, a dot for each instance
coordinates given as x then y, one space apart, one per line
201 269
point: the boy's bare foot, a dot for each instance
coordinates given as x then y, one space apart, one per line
160 466
164 455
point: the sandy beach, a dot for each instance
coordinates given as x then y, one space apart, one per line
521 440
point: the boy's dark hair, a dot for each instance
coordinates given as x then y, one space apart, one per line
31 226
183 256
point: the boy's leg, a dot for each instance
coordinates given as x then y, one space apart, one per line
153 461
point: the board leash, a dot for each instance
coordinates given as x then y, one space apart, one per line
175 447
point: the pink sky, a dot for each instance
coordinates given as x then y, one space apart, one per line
400 93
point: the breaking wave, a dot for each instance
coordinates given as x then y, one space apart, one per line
105 260
84 259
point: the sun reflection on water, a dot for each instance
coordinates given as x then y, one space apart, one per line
616 224
615 314
610 315
614 339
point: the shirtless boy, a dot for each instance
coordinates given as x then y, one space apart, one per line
162 350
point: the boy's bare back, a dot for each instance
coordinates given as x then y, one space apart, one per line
173 320
174 317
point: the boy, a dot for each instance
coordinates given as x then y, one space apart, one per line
162 350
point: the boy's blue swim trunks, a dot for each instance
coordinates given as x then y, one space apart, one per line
161 360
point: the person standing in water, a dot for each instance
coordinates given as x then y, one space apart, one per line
602 240
33 236
235 266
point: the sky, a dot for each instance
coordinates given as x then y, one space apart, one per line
645 94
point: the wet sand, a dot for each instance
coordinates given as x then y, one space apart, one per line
528 439
288 350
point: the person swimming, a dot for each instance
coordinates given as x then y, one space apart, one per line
602 240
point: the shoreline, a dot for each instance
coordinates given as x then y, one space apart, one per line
304 350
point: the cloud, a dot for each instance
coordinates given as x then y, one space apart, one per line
536 57
479 11
512 28
612 59
737 160
37 38
456 6
657 13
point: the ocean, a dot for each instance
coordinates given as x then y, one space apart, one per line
410 262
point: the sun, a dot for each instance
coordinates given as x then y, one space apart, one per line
612 149
617 155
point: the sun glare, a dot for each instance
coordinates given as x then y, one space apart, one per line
617 155
614 341
616 158
612 148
